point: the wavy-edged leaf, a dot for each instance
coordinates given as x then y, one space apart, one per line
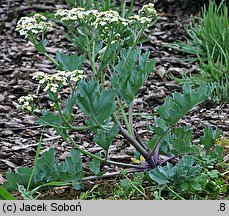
48 170
162 174
131 72
98 106
209 138
70 62
105 138
175 107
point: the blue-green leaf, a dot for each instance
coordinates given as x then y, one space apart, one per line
98 106
162 175
48 170
131 72
178 105
70 62
94 165
105 138
209 138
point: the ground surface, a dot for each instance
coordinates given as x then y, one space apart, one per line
19 61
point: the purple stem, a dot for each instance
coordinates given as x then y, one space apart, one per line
156 152
166 160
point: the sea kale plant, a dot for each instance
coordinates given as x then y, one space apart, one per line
105 94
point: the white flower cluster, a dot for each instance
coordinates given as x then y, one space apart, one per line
109 22
146 15
136 19
148 11
106 21
109 18
74 14
94 17
52 82
26 102
35 24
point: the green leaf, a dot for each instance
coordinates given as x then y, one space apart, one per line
94 165
182 142
175 107
12 180
5 195
48 170
70 62
186 170
73 167
105 138
209 138
185 187
40 46
159 131
157 176
182 175
49 118
213 174
196 186
98 106
162 175
130 73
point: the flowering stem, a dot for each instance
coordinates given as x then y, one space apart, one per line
90 55
81 150
36 159
133 141
78 128
124 116
130 114
135 44
52 60
101 67
102 81
47 123
138 138
63 117
130 8
122 8
99 158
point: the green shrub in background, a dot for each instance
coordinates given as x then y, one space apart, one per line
208 42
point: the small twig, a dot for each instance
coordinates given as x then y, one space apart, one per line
25 128
107 175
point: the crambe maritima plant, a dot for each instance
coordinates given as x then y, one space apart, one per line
109 42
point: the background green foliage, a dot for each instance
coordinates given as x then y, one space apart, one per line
208 43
